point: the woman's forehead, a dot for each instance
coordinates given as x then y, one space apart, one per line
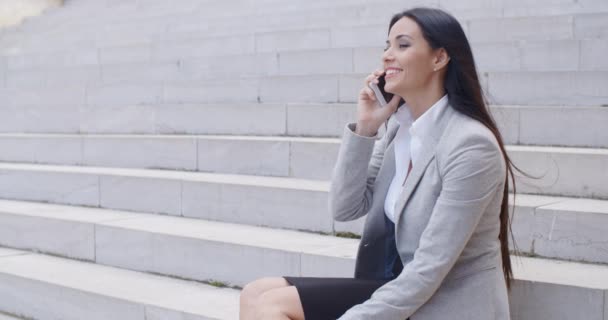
404 28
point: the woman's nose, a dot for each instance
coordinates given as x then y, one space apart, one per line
386 55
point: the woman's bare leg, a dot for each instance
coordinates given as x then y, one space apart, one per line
251 293
280 304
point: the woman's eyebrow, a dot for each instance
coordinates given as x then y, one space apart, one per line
400 36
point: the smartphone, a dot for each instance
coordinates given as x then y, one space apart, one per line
382 96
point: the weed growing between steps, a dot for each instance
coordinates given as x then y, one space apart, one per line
348 235
21 317
210 282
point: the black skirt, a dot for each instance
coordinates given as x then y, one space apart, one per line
330 298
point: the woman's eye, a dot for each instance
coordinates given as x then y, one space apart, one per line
400 46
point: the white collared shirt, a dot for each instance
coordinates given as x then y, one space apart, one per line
408 141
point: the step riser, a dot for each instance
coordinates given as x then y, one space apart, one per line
577 88
540 229
480 25
567 174
537 300
256 205
518 125
529 300
138 64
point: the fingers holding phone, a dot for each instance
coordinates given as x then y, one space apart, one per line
375 105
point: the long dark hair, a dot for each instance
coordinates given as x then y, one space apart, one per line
442 30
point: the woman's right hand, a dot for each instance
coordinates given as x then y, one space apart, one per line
370 115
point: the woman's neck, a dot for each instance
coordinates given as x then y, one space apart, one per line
422 100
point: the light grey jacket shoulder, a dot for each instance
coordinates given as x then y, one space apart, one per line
447 221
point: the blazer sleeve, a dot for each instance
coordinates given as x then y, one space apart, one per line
472 174
358 163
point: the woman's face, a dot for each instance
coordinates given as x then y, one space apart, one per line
408 59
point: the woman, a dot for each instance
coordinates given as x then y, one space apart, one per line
434 189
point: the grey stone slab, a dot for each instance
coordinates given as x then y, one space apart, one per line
123 94
367 59
591 26
544 126
244 156
556 9
191 258
339 263
549 88
319 119
2 72
503 56
350 86
116 119
42 118
140 194
138 73
204 47
259 119
47 97
61 59
592 54
537 300
111 293
292 40
507 119
134 53
140 152
524 225
55 187
524 28
564 172
41 149
228 67
74 76
260 206
334 61
67 238
566 234
357 36
213 92
299 89
313 160
557 55
25 79
43 300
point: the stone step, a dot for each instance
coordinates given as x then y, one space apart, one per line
559 88
43 287
564 22
521 125
557 228
260 201
560 171
542 226
272 201
144 64
542 287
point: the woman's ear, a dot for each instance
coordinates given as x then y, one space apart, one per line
441 59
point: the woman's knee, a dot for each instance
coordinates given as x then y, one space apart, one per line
255 289
279 303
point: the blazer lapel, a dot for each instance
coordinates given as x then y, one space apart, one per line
427 153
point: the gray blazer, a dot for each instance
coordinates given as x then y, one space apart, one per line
447 221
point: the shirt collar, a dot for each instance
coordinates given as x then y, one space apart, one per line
421 126
404 116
